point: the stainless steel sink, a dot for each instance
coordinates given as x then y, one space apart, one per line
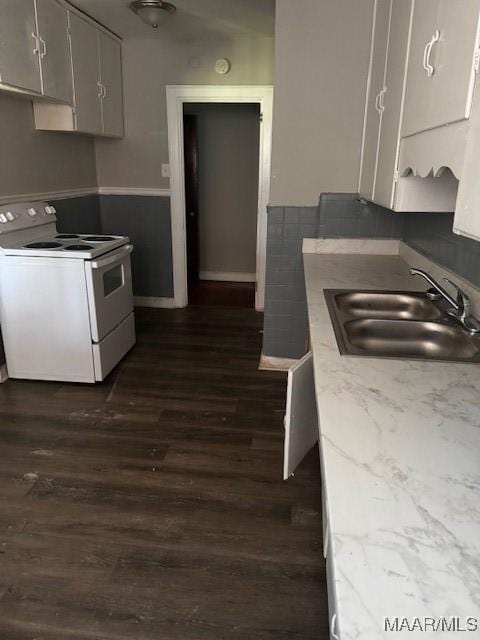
398 324
388 305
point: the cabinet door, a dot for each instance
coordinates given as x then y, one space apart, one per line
301 420
86 76
389 142
111 77
52 20
19 51
373 113
441 69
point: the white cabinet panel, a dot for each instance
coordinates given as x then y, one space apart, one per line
52 20
376 93
389 139
111 78
441 69
301 420
19 46
86 74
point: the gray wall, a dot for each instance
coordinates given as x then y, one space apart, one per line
228 138
149 65
146 220
322 50
36 161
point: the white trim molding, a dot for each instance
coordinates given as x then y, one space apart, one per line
47 196
3 373
155 303
177 95
228 276
133 191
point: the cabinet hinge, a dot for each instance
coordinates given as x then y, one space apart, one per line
476 61
396 176
261 117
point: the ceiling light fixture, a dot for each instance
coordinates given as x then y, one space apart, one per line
152 12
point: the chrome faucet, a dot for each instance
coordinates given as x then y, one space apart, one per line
460 306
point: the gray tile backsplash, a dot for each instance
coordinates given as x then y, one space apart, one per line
432 235
344 215
338 215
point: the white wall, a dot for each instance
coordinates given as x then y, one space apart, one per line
36 161
150 65
228 145
322 50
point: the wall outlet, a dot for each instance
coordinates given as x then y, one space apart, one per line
165 170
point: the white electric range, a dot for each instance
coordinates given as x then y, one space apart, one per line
66 300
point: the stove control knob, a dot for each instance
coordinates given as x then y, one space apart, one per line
32 212
10 216
50 210
3 218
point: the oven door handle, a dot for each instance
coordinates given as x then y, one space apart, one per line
118 256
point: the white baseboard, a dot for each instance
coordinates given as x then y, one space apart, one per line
3 373
157 303
272 363
227 276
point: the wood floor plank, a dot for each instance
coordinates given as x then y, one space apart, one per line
151 506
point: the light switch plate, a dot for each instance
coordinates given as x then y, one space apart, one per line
165 171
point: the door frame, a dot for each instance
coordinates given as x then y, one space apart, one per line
177 95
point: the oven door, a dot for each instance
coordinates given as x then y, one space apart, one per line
110 295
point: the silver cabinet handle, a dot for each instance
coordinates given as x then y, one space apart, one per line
100 89
427 52
333 627
36 49
117 257
44 47
379 102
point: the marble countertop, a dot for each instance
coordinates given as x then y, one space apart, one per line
400 447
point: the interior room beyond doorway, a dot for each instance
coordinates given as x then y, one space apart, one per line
221 146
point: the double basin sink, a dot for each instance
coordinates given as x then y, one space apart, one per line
398 324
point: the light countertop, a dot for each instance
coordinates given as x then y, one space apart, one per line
400 446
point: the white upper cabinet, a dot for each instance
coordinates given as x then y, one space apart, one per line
378 175
52 22
442 64
86 73
95 63
111 82
19 47
389 141
375 98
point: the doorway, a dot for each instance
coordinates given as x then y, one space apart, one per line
221 158
177 97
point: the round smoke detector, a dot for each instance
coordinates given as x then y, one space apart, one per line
222 66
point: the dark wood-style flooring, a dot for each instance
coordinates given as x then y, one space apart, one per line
151 507
222 294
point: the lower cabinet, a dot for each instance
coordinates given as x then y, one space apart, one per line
301 434
301 419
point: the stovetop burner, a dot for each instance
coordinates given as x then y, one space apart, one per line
43 245
67 236
99 239
78 247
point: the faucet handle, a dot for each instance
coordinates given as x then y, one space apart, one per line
463 300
